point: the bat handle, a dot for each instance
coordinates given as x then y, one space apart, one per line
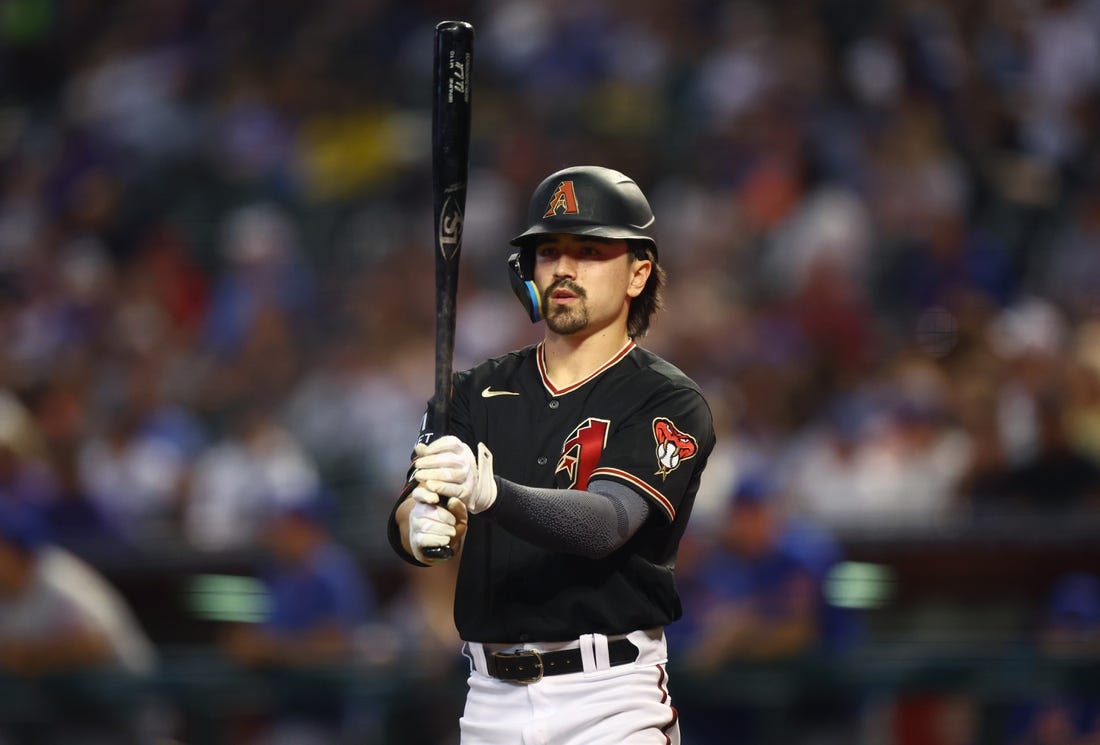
436 420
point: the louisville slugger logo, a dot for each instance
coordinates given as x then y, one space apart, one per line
673 446
564 198
450 225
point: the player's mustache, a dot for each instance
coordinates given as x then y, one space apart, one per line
566 284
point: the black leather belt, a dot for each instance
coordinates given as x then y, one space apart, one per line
529 665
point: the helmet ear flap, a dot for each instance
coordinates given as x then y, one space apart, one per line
520 271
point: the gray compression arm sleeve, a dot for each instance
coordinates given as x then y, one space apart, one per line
589 523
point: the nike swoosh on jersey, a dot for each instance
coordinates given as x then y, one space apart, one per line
489 392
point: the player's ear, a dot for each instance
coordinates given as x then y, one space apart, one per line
639 274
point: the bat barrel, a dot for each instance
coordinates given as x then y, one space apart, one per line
453 56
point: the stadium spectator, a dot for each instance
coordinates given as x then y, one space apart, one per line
1068 630
1058 477
263 273
762 599
318 601
873 463
419 624
59 620
25 476
257 468
134 477
75 521
1083 392
755 596
1070 623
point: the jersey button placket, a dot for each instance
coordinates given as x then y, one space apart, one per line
543 460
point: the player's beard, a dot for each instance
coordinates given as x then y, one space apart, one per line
565 319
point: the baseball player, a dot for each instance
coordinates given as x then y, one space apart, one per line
566 483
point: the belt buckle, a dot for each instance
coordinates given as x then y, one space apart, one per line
533 654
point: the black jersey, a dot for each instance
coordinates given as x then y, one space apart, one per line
637 421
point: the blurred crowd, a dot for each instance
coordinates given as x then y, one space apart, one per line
881 223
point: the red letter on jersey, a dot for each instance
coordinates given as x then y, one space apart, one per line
581 451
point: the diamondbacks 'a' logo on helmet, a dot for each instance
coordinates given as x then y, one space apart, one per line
673 446
564 199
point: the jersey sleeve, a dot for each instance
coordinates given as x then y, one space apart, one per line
461 425
660 450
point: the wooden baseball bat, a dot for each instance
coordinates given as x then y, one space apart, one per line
453 57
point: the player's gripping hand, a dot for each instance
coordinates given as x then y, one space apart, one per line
429 525
447 467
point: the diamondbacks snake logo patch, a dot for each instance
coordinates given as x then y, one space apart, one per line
673 446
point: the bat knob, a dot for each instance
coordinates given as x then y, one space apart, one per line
454 26
438 553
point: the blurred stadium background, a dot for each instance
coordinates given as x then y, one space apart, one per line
881 222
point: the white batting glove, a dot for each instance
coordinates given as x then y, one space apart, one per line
429 525
448 468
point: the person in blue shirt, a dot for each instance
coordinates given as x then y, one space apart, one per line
756 598
317 600
1068 630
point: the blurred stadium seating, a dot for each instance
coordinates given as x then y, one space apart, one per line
881 223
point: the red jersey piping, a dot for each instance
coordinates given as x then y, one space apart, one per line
555 391
633 480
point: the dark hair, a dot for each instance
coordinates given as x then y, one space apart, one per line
643 307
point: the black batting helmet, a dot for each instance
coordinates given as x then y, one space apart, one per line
589 200
581 200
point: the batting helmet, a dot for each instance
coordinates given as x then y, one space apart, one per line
581 200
